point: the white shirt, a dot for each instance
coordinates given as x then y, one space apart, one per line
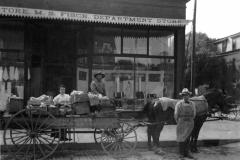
61 99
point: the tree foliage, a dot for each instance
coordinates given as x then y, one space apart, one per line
208 68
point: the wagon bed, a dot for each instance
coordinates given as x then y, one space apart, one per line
37 136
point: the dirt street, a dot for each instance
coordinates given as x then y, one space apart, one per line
225 152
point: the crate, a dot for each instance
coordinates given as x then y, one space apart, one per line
54 111
81 107
38 102
79 98
15 105
36 112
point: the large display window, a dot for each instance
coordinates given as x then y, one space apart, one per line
135 41
11 61
136 79
107 40
161 43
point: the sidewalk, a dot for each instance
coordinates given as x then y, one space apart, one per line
217 132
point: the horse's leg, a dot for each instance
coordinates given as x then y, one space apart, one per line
199 120
149 134
160 118
157 134
192 138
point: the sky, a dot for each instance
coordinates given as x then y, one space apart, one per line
216 18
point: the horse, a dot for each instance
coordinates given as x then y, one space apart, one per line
158 115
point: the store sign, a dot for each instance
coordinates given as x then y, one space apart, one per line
49 14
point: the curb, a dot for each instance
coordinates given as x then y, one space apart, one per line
141 144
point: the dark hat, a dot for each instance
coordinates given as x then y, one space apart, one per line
99 73
185 91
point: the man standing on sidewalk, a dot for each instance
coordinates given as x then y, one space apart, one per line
185 113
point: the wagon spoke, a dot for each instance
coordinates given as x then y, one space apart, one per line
109 145
115 148
45 144
128 137
111 133
19 132
114 130
112 147
46 139
31 121
21 140
43 123
38 120
16 137
34 154
123 146
28 148
20 125
22 146
25 121
120 150
45 128
38 144
127 144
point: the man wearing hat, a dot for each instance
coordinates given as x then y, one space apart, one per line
184 115
97 86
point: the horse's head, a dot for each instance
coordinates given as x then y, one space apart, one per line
216 97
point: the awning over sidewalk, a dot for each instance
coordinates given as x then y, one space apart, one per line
86 17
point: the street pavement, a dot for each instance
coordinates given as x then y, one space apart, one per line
223 152
222 135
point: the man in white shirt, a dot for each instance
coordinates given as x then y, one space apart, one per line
184 115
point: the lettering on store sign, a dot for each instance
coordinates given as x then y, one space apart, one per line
49 14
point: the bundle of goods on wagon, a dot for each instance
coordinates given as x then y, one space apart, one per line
43 102
81 103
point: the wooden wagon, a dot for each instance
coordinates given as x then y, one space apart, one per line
36 136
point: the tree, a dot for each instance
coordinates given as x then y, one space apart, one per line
209 69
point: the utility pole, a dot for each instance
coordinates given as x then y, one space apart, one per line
193 57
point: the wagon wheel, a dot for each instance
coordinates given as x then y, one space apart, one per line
97 135
17 131
30 137
119 139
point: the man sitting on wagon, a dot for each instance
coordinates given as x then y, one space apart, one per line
97 87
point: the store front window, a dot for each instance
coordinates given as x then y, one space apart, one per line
11 60
152 77
134 41
132 74
107 40
161 43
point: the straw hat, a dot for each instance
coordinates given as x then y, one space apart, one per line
185 91
99 73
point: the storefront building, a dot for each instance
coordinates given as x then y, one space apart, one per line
138 44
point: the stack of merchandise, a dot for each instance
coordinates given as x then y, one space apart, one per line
80 102
41 102
93 99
